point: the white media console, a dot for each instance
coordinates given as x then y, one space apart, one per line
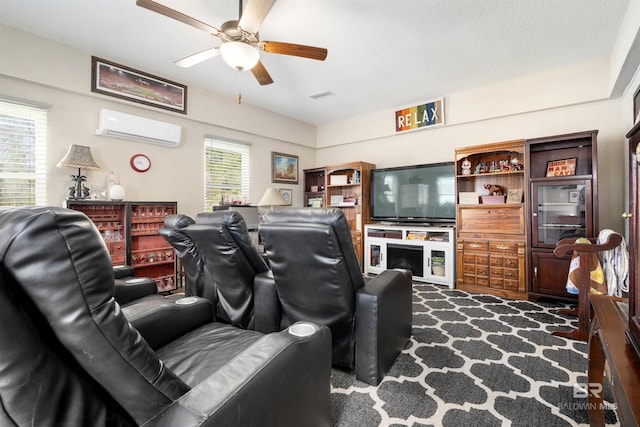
429 252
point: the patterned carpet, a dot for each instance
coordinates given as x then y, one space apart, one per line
474 360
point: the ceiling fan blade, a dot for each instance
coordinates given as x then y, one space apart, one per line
254 13
261 74
197 58
178 16
310 52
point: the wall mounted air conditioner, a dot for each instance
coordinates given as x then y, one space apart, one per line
136 128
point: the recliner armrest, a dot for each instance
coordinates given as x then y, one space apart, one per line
244 391
122 271
383 323
267 309
161 320
131 288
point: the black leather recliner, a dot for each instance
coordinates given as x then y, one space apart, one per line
221 264
318 279
70 357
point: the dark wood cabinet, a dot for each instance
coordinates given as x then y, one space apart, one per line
130 231
562 182
314 187
633 216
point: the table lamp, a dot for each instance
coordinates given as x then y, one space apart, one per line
78 156
272 197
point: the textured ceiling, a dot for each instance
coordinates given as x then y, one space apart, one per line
382 53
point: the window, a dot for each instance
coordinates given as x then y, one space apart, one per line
23 142
226 172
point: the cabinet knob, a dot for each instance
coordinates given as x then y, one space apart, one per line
535 214
627 215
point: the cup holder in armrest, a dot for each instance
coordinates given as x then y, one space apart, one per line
187 300
302 329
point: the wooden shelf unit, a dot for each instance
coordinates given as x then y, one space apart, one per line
558 207
346 186
491 238
130 230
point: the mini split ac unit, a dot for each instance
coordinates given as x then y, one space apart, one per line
135 128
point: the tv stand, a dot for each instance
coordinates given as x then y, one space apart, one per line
427 251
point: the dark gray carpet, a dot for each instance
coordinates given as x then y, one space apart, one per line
474 360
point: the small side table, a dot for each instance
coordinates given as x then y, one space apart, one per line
607 343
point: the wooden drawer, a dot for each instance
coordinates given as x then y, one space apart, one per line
497 283
496 219
511 263
482 270
511 285
117 259
497 261
482 281
469 279
482 260
509 273
469 259
505 248
476 246
497 272
116 247
469 268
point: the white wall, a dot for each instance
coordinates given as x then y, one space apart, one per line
567 100
41 70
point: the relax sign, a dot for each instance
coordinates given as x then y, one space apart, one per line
420 116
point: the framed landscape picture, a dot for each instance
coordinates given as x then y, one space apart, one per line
109 78
284 168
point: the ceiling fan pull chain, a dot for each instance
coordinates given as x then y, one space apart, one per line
239 89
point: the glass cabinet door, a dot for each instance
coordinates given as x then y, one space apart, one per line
560 210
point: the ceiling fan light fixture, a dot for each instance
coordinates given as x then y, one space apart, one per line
239 56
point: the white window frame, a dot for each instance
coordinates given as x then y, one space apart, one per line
238 191
12 112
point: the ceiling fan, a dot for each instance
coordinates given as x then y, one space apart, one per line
240 40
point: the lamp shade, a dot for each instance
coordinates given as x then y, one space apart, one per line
78 156
272 197
239 56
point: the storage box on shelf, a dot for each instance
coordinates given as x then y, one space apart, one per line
491 236
427 251
130 230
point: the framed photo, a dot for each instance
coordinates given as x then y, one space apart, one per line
109 78
287 195
284 168
514 195
574 197
564 167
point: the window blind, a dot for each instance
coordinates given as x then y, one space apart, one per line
23 144
226 172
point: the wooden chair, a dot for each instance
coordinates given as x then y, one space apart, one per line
583 310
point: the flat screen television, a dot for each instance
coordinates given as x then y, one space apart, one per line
417 193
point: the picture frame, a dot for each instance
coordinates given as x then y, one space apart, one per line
284 168
119 81
574 197
563 167
287 195
515 195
